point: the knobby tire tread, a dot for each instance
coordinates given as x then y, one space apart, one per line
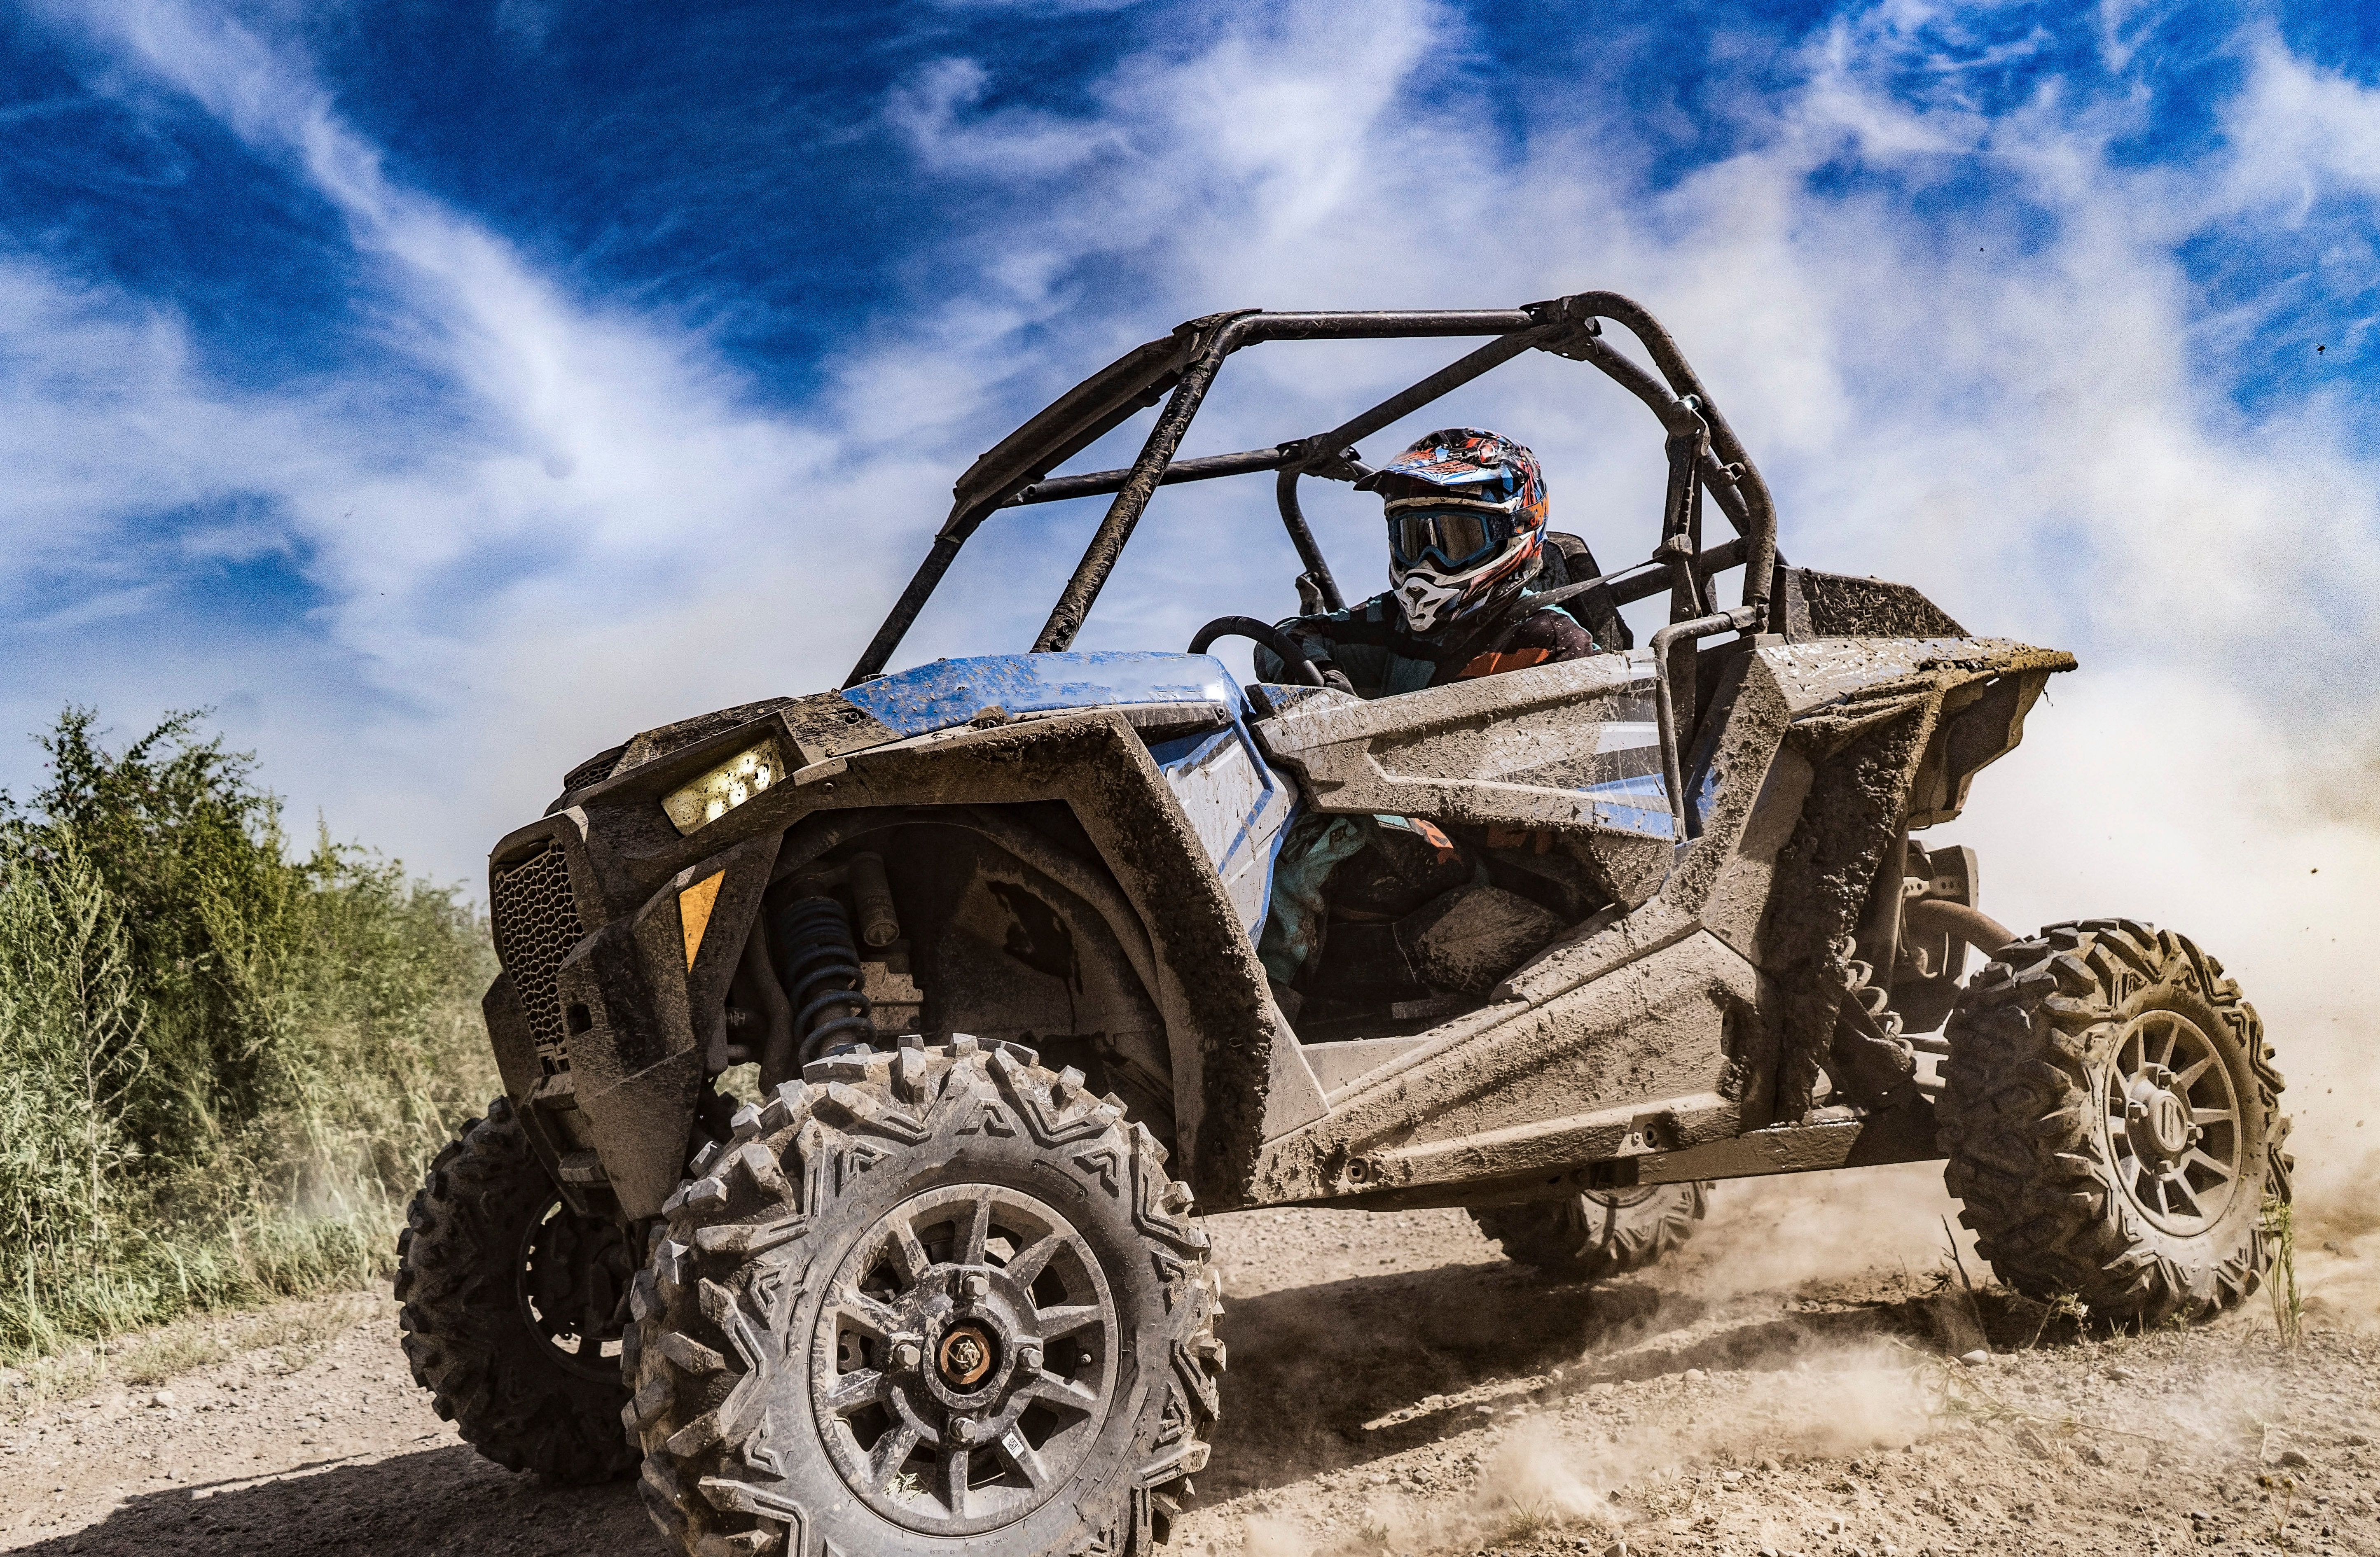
456 1277
2021 1123
1579 1238
759 1220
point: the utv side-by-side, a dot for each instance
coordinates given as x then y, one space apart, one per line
988 929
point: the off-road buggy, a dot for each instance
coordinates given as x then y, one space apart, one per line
989 930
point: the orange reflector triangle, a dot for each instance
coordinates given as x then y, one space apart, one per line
694 911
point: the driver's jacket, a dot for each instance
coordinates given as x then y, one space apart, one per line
1369 645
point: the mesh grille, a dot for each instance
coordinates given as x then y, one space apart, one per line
536 925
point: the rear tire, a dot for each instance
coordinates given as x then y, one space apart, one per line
922 1300
2110 1115
1599 1233
510 1302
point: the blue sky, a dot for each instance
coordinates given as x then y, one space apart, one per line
443 390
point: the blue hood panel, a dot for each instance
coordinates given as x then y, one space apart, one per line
953 692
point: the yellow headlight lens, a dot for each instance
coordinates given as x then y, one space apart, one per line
725 788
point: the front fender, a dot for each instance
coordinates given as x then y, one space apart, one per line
1237 1076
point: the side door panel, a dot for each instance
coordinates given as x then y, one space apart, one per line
1573 747
1569 745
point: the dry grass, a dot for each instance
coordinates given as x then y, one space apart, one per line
1526 1520
227 1060
2281 1281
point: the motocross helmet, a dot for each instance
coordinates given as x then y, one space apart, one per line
1466 511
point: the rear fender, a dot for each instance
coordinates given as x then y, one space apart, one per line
1982 721
1890 732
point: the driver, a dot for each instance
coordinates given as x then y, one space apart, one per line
1466 518
1466 511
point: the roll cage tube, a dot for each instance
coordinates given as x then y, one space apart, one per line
1706 457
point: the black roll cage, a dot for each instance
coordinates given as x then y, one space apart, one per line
1704 453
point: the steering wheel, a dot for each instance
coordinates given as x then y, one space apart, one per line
1299 668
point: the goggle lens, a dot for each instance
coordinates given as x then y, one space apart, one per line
1453 537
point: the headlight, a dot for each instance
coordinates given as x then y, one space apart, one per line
725 788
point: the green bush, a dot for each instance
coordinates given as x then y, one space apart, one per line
224 1066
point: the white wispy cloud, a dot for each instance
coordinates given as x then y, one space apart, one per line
2006 403
1005 143
2301 129
595 522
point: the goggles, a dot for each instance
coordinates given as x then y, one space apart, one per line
1455 533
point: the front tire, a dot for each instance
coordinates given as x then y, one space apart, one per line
922 1297
514 1308
1596 1233
2110 1117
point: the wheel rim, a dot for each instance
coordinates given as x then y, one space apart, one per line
2172 1117
573 1288
964 1360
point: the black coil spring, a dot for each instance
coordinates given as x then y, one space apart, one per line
1860 984
821 973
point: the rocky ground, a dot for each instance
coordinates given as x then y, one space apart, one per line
1789 1383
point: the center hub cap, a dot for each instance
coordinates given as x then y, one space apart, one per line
964 1360
2173 1122
967 1358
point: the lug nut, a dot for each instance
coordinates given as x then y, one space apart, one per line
962 1430
2135 1111
975 1285
906 1355
1029 1355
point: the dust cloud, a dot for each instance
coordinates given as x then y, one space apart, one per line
1830 1401
2154 795
1575 1470
1766 1236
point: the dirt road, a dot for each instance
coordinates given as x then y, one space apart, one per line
1789 1384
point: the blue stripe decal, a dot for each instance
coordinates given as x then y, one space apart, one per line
1641 804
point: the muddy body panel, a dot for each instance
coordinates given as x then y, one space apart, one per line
1075 852
1703 1013
1091 882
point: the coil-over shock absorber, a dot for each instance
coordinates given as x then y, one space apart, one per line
1870 1062
821 974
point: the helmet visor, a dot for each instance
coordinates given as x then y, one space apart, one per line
1454 536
